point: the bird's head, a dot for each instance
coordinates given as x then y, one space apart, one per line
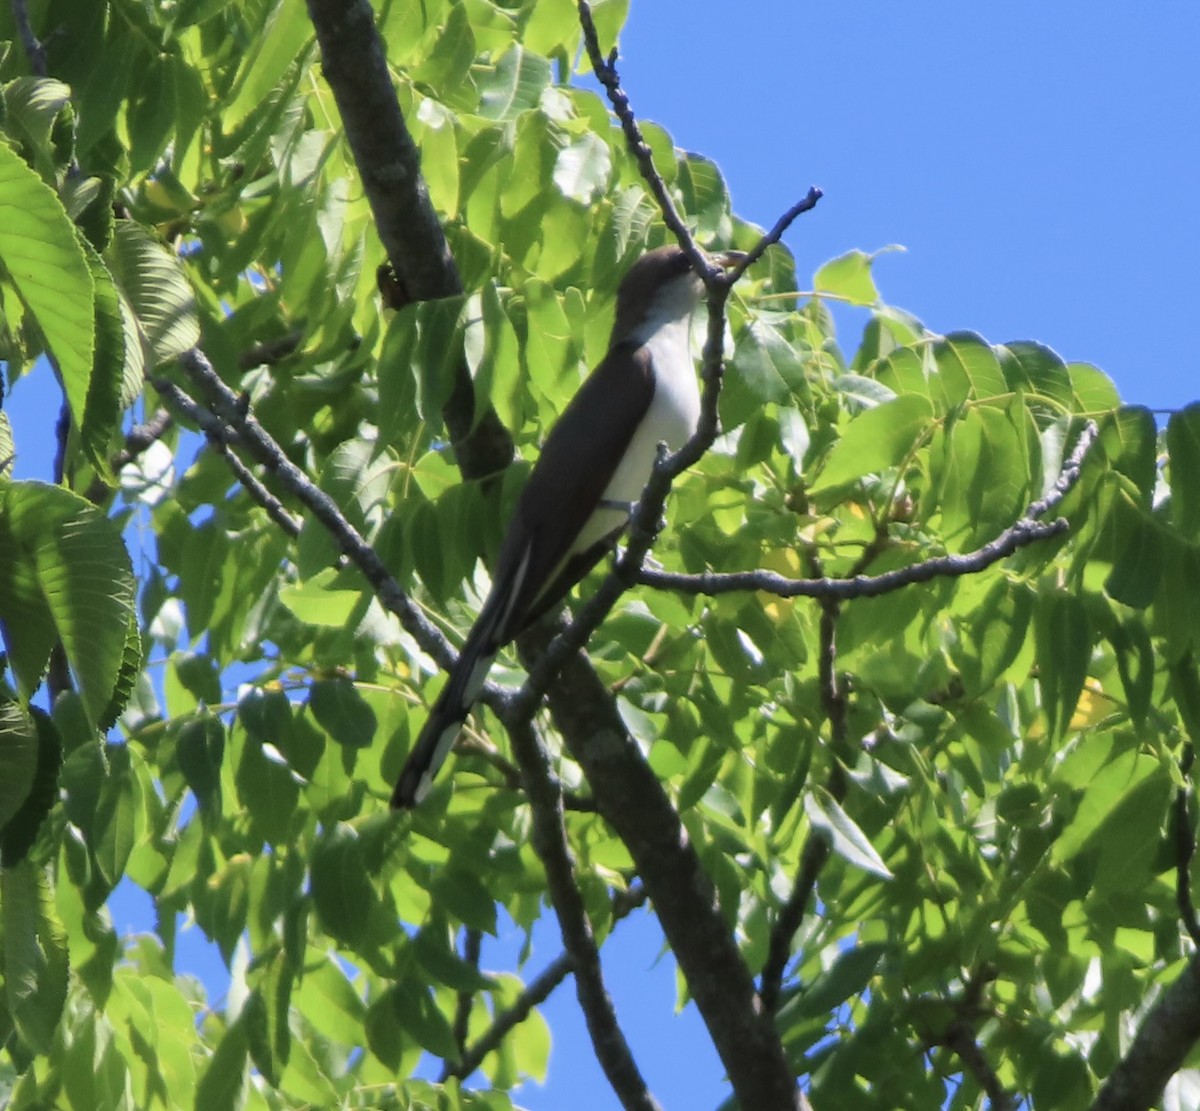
659 289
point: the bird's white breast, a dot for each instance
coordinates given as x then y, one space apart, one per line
671 417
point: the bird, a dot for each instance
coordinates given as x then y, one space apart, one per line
592 469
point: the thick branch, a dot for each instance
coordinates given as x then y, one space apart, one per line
550 842
1168 1033
633 802
355 65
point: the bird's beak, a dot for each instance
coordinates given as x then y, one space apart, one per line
728 259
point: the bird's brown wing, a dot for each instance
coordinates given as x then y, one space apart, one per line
536 565
576 464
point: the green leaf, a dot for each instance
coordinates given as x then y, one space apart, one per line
200 749
446 70
342 712
848 976
1120 816
317 602
102 410
513 85
771 367
439 156
553 27
1064 648
35 958
18 759
272 52
1183 449
849 278
157 290
19 831
68 576
224 1081
984 477
705 198
463 894
327 999
496 367
341 889
968 368
1130 440
118 824
1138 569
846 839
266 1018
582 169
875 440
41 252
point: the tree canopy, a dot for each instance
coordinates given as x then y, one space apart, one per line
893 733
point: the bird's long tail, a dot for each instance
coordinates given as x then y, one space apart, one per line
446 719
493 628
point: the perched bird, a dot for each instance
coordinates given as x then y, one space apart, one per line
592 469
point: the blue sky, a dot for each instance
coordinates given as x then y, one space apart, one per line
1039 161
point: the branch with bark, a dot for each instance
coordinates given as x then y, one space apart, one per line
536 992
817 848
544 791
1028 530
235 417
355 65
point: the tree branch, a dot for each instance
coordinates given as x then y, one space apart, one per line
550 842
1185 848
1026 531
137 440
220 439
258 443
632 800
355 65
1169 1030
35 51
472 947
959 1037
816 850
536 992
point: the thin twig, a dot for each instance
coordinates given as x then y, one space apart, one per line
606 73
544 792
1028 530
270 351
536 992
137 440
220 440
477 746
816 851
472 947
257 442
959 1037
35 51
